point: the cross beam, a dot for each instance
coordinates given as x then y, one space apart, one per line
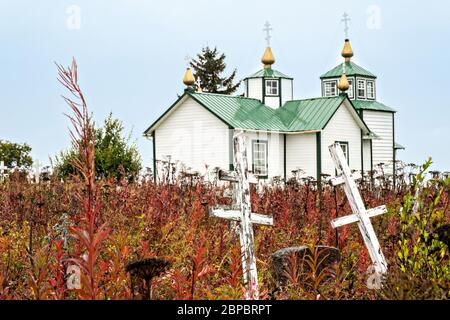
235 215
232 176
360 214
243 216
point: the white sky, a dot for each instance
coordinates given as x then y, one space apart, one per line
131 60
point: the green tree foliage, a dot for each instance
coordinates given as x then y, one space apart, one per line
114 156
15 154
422 268
208 67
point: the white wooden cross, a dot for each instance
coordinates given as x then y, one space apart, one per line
267 29
3 168
244 216
346 20
37 170
360 214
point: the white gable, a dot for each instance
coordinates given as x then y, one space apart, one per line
193 135
342 127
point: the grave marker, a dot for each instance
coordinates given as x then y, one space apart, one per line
244 216
3 169
37 170
360 214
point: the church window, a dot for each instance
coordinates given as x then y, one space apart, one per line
330 88
271 87
260 155
361 89
370 90
350 89
344 147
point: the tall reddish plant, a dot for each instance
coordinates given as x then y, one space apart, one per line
90 236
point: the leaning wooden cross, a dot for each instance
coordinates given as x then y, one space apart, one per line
3 169
244 216
360 214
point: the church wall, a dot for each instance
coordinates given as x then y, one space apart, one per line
366 149
286 90
194 136
342 127
381 124
255 88
275 145
301 154
273 102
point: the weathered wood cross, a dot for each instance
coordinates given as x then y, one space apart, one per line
244 216
37 170
360 214
3 168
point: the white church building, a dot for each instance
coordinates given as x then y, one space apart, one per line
283 134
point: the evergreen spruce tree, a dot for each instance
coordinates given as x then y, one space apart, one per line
208 67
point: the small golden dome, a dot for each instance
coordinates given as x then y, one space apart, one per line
188 79
343 83
268 59
347 52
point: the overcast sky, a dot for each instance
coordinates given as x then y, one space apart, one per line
131 60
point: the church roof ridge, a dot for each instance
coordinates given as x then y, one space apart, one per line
315 98
352 69
224 95
295 116
268 73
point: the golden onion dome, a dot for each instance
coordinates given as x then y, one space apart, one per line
268 59
343 83
188 78
347 52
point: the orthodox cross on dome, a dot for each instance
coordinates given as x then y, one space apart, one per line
346 20
267 29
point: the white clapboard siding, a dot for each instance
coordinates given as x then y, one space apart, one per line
272 102
275 145
301 153
366 152
255 88
194 136
286 90
342 127
381 124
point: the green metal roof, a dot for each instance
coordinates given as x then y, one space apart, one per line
371 105
240 112
269 73
245 113
310 114
398 146
351 69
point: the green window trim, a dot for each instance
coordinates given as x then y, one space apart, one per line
231 148
266 143
284 158
345 143
319 158
278 94
154 155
